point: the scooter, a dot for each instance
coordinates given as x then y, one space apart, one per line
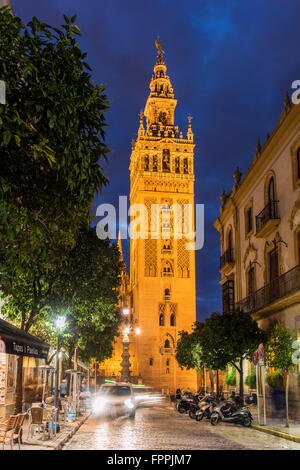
205 408
199 400
186 402
224 412
251 399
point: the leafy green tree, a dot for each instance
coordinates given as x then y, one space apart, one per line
224 339
251 379
188 350
51 142
84 288
279 356
234 338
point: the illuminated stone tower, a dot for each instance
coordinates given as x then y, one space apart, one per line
162 271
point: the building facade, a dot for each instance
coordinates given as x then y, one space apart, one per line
161 297
162 270
259 227
111 368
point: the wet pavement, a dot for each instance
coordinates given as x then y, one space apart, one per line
162 428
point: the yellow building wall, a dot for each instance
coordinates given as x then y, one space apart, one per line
155 181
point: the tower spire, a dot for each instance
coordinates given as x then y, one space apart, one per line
141 128
160 52
190 135
160 106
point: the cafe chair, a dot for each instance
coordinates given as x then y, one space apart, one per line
7 431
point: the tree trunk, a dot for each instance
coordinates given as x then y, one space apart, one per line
218 388
19 386
287 399
46 384
211 378
241 380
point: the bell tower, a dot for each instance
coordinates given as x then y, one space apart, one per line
162 270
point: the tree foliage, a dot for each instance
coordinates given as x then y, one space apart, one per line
280 350
188 349
279 356
51 141
220 340
84 288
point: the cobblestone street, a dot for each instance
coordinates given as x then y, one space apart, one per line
162 428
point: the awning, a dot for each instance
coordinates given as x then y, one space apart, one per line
18 342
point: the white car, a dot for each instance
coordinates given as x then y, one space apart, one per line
114 400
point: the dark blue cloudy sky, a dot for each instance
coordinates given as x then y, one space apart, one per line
230 63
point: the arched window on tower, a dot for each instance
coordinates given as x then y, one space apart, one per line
162 118
172 320
167 295
161 320
185 166
166 246
167 344
166 160
167 270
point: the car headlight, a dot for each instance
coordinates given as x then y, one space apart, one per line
129 404
98 404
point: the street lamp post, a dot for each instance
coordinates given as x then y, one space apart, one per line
59 324
125 364
128 328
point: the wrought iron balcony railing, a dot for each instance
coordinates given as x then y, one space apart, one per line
166 350
227 258
270 212
280 287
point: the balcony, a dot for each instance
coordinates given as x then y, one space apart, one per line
284 285
165 273
166 350
267 220
227 260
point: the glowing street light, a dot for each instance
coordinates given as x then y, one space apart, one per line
60 323
125 311
138 331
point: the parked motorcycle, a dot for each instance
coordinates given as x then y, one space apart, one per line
251 399
226 413
205 408
186 402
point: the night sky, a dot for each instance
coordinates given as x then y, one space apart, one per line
230 64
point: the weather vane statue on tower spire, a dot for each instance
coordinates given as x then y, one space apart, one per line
160 52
